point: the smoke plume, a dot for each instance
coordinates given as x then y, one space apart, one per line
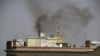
65 17
71 19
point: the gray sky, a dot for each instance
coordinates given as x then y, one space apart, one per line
19 17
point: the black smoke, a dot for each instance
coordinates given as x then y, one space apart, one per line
72 19
65 17
39 25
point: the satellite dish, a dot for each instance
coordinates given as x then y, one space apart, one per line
21 42
42 34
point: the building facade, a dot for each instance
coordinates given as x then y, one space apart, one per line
45 46
48 51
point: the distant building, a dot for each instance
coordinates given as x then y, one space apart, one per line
45 41
53 45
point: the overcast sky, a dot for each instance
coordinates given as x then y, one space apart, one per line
17 19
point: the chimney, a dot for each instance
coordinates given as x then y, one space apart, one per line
39 29
88 44
58 30
14 42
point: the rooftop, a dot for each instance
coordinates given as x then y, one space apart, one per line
57 49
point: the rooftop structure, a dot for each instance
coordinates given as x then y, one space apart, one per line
52 45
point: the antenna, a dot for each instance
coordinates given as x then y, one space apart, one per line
22 34
16 35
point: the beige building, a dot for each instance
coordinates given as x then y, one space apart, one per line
60 38
33 42
45 42
48 42
52 41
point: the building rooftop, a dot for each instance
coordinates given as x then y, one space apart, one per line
57 49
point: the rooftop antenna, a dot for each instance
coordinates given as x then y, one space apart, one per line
22 34
15 36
